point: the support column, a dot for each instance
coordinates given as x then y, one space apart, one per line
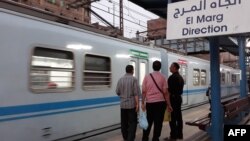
217 122
242 58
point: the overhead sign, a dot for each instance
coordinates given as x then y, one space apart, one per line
201 18
138 54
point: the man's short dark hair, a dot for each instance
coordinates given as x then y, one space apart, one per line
156 65
176 65
129 68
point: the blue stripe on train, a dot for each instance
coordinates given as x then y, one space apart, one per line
13 110
194 91
23 109
54 113
48 107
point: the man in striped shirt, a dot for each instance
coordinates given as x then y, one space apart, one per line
128 90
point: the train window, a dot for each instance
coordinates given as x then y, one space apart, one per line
97 72
238 77
183 72
222 78
203 77
196 77
51 70
228 78
233 79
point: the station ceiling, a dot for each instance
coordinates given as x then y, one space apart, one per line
158 7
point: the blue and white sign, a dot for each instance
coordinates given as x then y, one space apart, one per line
202 18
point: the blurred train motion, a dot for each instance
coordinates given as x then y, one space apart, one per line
59 81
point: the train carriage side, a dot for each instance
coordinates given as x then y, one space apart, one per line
195 73
182 60
58 81
230 81
199 80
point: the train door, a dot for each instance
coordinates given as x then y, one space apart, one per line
183 72
140 68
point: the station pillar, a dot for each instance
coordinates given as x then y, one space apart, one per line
242 61
216 130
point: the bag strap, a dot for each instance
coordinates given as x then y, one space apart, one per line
157 85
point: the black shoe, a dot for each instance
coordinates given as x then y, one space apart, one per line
165 139
144 139
180 137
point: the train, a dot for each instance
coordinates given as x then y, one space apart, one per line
58 81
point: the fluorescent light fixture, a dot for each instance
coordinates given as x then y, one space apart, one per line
79 46
248 42
192 62
234 40
122 56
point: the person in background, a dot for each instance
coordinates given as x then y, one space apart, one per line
248 82
156 96
208 94
175 88
128 90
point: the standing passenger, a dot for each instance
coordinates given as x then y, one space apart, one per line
208 94
128 90
175 88
248 81
156 96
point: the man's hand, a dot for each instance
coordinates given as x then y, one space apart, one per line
137 107
169 108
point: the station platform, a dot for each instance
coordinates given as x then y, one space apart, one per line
190 133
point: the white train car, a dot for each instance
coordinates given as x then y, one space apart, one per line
59 81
